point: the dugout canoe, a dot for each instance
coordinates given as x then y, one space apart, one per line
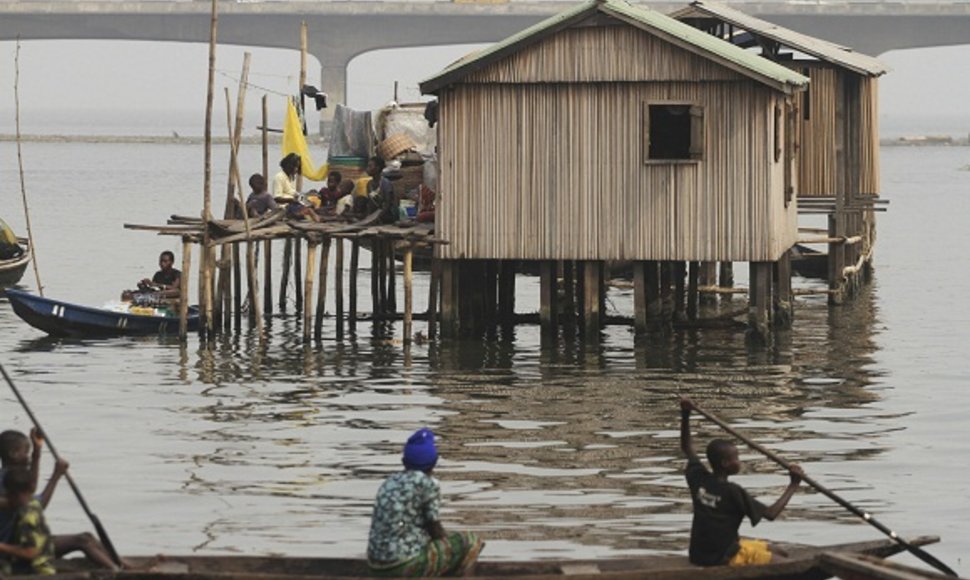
861 567
12 270
64 319
803 564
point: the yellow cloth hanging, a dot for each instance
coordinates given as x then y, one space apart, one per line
294 141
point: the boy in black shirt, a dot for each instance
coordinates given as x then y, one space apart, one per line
720 505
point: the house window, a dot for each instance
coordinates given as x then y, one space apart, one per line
674 131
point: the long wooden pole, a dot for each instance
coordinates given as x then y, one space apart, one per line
252 279
311 260
20 164
408 291
915 550
184 288
98 527
209 253
267 244
322 290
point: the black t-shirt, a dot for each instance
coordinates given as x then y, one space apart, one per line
719 508
167 278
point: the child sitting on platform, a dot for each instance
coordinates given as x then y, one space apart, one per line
720 506
406 536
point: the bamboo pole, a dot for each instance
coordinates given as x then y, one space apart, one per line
322 290
408 291
20 164
311 259
391 279
297 243
285 277
253 280
338 287
208 254
354 266
433 292
184 288
236 138
267 244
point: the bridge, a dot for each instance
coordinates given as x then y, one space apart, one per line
342 30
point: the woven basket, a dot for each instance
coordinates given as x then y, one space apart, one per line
395 145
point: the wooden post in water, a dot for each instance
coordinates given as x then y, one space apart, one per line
666 291
836 259
322 290
708 277
655 308
184 288
354 266
408 291
726 279
298 273
640 319
759 300
592 315
547 297
449 297
268 277
297 243
433 292
285 277
391 278
569 300
783 312
506 291
680 290
693 277
311 261
205 263
338 287
375 274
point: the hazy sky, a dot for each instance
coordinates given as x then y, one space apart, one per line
164 83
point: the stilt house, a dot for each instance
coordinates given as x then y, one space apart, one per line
614 132
838 122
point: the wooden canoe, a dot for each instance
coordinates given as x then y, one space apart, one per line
809 263
801 564
71 320
11 271
860 567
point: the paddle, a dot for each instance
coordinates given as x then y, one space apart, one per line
915 550
102 533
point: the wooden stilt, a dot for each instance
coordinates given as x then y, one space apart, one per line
391 279
184 288
783 292
604 278
375 274
569 298
726 279
449 298
433 293
640 317
311 262
408 292
836 260
210 264
547 297
490 291
381 274
285 277
338 286
267 277
579 268
237 286
592 272
680 290
758 300
708 277
506 291
322 290
666 291
693 276
354 266
297 273
652 280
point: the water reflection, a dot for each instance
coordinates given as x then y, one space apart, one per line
562 449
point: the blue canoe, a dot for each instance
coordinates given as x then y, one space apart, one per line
64 319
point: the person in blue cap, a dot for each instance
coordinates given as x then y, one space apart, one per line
406 535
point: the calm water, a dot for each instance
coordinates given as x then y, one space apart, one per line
559 452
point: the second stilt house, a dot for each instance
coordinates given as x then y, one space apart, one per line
611 132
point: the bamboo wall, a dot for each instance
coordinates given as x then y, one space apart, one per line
556 171
839 150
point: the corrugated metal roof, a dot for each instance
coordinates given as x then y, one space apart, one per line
820 49
661 25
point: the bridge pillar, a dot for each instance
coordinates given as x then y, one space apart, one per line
333 77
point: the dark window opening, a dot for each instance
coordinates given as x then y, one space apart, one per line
676 132
806 100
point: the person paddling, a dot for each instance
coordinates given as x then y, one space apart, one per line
406 535
720 505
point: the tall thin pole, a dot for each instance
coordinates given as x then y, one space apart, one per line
209 253
20 163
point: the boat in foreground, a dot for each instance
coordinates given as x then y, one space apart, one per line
64 319
861 567
802 563
12 270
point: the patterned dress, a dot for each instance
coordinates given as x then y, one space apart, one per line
31 531
400 545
